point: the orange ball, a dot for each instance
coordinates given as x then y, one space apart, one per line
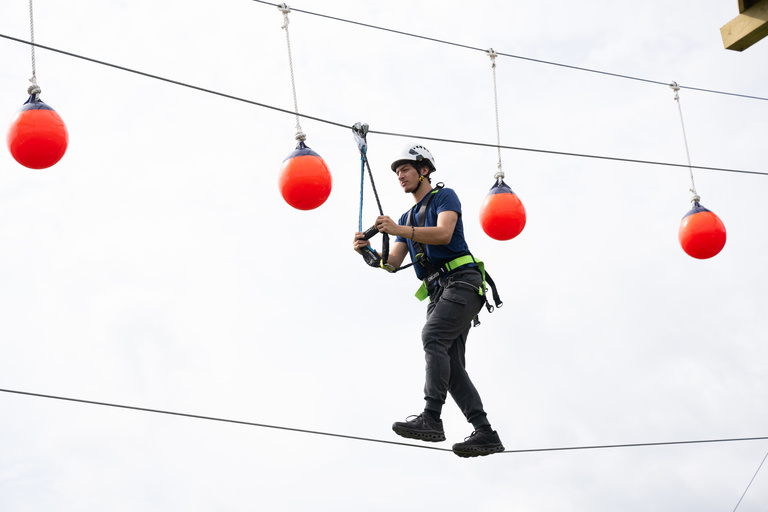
37 137
502 214
305 181
701 233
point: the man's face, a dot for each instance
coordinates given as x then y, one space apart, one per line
408 177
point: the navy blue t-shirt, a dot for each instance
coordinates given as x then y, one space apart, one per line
443 200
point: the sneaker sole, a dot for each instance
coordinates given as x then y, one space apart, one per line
478 452
432 436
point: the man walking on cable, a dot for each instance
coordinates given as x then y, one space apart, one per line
432 233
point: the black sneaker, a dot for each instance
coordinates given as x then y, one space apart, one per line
420 427
480 442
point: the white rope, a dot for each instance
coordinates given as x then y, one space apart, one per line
676 88
300 136
34 88
499 173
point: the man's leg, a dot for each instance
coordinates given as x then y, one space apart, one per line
449 319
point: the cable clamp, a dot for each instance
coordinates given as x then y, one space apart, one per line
492 54
675 88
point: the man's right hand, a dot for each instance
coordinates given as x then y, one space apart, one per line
360 243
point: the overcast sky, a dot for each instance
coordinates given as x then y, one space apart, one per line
156 265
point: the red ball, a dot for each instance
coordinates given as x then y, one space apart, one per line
502 214
701 233
305 181
37 137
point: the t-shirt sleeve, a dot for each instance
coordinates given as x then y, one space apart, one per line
447 200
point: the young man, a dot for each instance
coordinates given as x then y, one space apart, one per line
432 233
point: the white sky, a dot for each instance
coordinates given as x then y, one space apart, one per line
157 265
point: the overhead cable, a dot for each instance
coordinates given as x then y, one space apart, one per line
519 57
346 127
368 439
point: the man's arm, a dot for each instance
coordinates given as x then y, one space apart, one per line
429 235
397 254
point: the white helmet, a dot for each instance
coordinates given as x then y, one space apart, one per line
414 153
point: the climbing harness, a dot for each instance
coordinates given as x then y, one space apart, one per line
435 273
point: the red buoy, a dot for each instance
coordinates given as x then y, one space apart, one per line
305 181
701 233
502 214
37 136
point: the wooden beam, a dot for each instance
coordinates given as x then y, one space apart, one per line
748 27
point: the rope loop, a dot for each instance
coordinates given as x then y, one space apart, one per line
34 89
695 198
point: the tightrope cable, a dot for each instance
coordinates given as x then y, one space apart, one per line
367 439
377 132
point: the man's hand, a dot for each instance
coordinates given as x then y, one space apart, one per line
360 243
386 225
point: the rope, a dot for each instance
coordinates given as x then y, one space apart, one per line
362 181
34 88
750 483
676 88
499 173
343 436
359 130
300 136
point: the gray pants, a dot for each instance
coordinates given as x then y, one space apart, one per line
454 304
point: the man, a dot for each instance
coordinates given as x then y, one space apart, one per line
432 233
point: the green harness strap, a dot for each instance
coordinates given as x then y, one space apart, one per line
422 292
